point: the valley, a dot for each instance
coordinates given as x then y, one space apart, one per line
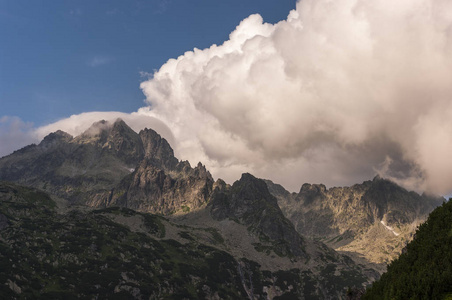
112 213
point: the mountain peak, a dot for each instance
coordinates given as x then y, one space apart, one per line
98 131
55 138
115 135
99 127
157 149
307 187
119 123
250 203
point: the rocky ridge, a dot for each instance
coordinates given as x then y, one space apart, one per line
371 222
110 164
249 202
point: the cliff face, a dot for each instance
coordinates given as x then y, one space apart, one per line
250 203
374 219
157 150
159 183
154 190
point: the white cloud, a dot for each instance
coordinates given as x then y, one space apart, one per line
327 95
99 61
14 134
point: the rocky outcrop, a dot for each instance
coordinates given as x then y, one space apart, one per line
373 220
159 183
154 190
55 139
249 202
157 150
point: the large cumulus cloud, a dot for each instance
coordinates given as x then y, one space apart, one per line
339 91
336 93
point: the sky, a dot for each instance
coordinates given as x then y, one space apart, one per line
59 58
318 91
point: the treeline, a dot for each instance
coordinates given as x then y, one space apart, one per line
424 270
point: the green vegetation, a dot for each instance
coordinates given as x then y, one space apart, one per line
84 255
217 238
424 270
46 255
155 224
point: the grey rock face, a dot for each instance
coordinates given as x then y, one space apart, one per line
157 150
55 139
154 190
250 203
373 219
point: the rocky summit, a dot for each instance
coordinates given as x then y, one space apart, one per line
110 164
112 213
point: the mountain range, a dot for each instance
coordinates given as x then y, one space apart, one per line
112 213
371 222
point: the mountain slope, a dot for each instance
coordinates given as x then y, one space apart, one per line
372 220
46 255
110 165
73 168
424 269
250 203
160 183
118 253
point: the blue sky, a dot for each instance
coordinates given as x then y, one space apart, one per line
59 58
